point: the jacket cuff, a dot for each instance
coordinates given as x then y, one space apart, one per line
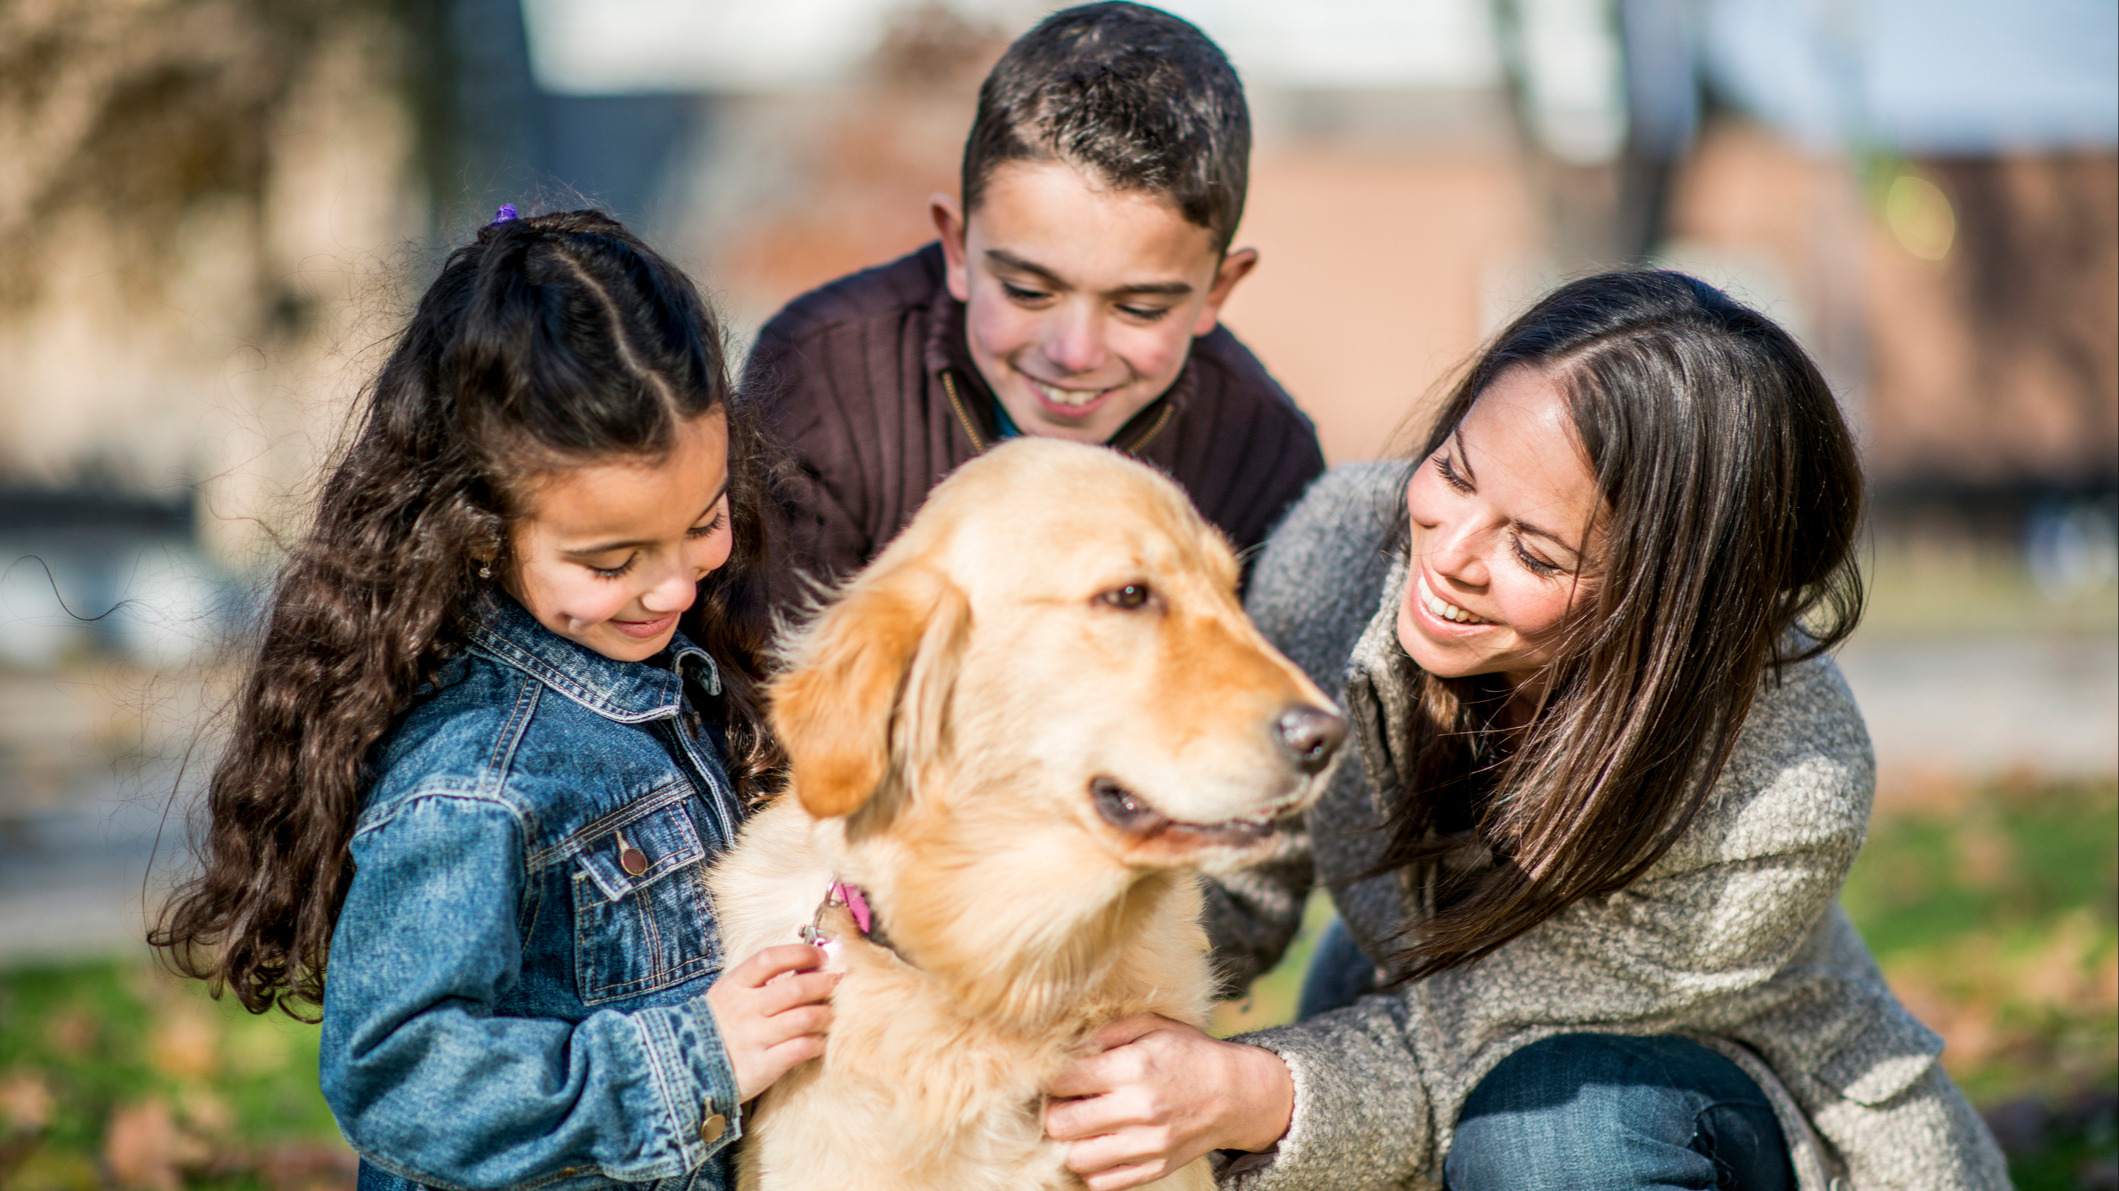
1360 1118
692 1073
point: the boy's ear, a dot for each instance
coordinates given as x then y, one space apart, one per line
869 689
1235 266
950 223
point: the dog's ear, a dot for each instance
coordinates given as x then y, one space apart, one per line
869 687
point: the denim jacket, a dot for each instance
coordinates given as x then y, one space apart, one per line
515 990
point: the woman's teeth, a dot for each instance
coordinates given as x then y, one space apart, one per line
1072 398
1443 608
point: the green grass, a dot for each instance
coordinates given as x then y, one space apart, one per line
1996 918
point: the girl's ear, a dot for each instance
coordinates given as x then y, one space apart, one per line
868 695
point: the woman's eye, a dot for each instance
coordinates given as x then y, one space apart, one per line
1448 471
1132 595
1536 565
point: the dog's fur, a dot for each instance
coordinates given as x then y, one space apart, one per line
951 717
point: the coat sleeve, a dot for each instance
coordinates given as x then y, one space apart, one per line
429 1082
790 374
1689 947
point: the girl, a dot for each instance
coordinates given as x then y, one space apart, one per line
477 765
1607 786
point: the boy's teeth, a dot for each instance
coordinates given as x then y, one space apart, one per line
1443 608
1071 397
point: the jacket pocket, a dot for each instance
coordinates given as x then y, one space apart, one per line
1881 1057
640 918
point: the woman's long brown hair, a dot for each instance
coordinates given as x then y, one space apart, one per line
1732 499
552 341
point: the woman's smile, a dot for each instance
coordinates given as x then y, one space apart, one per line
1442 609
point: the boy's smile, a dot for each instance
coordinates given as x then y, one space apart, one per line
1081 302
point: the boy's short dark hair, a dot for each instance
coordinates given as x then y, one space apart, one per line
1131 95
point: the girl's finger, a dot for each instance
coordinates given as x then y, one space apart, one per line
766 964
809 988
795 1023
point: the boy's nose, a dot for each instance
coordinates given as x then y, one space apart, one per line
1074 343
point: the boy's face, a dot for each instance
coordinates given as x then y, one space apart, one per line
1081 302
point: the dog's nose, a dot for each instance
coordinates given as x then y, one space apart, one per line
1310 735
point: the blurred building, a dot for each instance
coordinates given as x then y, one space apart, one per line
214 210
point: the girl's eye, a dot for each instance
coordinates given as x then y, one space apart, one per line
617 571
1536 565
1448 472
714 526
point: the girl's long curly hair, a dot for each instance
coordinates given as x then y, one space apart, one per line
553 341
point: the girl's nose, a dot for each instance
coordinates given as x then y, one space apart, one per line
1074 340
674 591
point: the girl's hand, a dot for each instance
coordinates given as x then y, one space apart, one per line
772 1010
1157 1094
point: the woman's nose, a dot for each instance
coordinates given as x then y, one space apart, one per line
1455 552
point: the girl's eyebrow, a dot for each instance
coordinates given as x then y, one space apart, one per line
634 543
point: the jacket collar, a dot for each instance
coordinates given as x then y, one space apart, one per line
947 353
629 692
1380 688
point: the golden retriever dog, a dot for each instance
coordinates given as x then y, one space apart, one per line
1015 738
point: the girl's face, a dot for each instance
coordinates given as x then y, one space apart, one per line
611 553
1504 532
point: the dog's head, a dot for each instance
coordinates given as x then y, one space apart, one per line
1055 641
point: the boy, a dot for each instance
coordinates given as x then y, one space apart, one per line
1075 293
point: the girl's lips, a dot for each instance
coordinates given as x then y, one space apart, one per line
645 629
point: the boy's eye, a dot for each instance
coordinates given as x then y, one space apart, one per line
1146 314
1017 293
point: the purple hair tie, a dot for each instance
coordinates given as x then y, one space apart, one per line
506 212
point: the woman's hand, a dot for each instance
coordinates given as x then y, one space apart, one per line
772 1010
1156 1094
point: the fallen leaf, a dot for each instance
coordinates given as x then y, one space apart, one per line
25 1101
143 1150
184 1044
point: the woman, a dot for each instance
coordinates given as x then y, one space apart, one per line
1607 788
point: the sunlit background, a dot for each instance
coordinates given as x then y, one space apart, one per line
212 212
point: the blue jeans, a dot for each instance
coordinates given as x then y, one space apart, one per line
1593 1112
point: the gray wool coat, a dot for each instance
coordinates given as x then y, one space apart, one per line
1734 938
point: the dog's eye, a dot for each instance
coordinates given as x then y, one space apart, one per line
1132 595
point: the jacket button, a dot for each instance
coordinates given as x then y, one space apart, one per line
633 861
711 1129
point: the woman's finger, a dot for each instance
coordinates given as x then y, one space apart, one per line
1121 1177
1090 1075
1072 1120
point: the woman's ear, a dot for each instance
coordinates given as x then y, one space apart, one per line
869 687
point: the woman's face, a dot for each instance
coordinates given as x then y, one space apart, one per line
1504 535
611 553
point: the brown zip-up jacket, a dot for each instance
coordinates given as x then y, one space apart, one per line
868 383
